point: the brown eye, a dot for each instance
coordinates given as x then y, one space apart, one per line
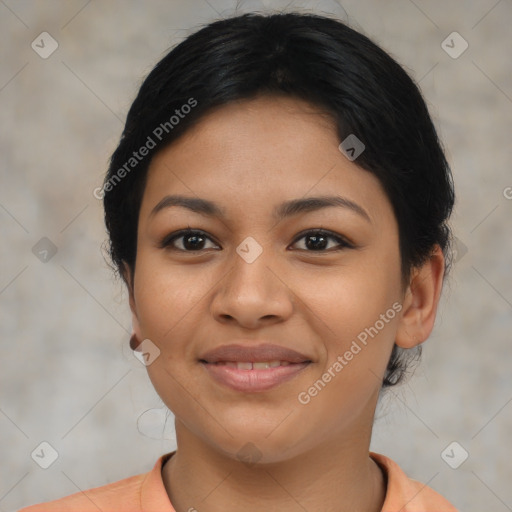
187 241
319 241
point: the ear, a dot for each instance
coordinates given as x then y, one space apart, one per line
128 279
421 301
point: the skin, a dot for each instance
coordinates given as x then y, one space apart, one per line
249 157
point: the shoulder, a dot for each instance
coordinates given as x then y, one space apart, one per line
136 493
125 492
407 495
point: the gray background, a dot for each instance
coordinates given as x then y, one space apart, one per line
67 374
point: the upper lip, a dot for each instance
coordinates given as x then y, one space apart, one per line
258 353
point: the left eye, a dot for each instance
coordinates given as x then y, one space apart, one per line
319 241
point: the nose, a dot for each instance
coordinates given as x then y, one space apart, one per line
253 295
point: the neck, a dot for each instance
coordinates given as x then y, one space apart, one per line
334 476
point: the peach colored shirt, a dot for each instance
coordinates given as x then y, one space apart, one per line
146 493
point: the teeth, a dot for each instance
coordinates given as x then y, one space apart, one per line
263 365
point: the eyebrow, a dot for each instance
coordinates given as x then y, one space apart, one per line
284 210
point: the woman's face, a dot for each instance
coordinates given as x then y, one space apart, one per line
259 273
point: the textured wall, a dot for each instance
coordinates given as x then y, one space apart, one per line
67 375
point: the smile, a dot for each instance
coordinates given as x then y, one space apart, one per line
253 376
256 365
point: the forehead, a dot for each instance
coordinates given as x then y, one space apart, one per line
260 152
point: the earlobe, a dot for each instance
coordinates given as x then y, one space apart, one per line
421 301
128 278
136 331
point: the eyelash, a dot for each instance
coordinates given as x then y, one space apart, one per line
167 242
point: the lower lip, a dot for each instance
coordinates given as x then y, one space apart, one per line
252 381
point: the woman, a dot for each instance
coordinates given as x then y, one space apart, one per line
277 207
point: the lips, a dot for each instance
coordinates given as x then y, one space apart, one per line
255 354
253 369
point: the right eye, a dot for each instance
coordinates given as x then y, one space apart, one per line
188 240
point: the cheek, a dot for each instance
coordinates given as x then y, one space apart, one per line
358 325
350 299
165 295
167 299
356 311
